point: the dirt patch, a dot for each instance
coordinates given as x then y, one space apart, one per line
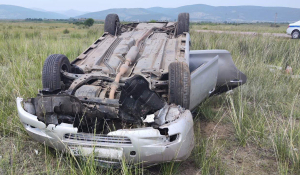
250 160
245 33
221 131
188 167
237 159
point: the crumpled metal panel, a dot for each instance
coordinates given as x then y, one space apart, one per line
150 146
229 77
137 100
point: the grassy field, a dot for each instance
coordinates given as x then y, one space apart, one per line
253 130
258 28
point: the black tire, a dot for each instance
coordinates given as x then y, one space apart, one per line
51 75
295 34
183 23
179 84
111 24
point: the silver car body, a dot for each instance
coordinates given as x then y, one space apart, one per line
212 72
150 146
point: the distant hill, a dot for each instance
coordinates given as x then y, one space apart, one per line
71 12
16 12
68 13
128 14
200 12
39 9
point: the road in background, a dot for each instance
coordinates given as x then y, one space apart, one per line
245 33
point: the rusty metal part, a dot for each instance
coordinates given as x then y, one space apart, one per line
130 59
70 75
88 91
50 108
115 84
139 41
106 101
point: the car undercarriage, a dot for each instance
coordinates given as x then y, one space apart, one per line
129 95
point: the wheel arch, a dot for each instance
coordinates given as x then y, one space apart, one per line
295 30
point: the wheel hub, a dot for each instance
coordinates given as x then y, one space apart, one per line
296 35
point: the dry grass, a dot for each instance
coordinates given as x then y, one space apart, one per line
258 28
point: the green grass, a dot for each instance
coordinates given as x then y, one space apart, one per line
259 119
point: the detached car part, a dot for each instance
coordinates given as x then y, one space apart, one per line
129 95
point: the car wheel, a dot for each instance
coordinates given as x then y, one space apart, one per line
183 23
295 34
51 75
112 22
179 84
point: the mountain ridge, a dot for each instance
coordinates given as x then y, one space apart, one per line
202 12
17 12
71 12
198 12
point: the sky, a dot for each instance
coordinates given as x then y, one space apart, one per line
98 5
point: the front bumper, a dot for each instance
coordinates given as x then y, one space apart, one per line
140 145
289 31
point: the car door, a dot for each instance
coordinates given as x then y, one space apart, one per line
212 72
204 76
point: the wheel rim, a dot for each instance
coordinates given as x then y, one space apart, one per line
296 35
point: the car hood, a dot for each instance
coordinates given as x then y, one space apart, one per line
295 23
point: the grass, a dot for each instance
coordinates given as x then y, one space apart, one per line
66 31
258 28
265 111
254 130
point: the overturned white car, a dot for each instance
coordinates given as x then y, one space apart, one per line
128 96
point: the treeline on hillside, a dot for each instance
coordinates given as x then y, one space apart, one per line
84 21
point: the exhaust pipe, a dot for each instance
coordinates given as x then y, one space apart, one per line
129 59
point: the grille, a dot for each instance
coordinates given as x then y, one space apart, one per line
98 138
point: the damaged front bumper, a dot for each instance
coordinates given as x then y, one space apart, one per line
173 141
